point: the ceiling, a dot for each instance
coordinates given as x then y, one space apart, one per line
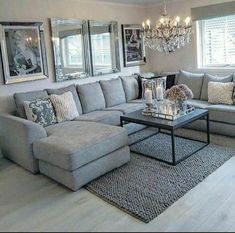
133 2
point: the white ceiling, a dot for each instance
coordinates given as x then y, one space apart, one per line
133 2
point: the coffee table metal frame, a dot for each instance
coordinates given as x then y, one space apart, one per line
170 126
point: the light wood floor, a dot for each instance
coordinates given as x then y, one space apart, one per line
35 203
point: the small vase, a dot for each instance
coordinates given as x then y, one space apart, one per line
182 105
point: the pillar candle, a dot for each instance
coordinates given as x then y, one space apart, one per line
148 96
160 93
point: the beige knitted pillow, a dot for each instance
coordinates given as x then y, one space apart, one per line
65 106
220 93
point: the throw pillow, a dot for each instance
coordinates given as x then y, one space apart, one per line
210 78
40 111
220 93
65 106
70 88
193 81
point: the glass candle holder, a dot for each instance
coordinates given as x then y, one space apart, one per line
149 96
161 88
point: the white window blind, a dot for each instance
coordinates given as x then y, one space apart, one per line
217 42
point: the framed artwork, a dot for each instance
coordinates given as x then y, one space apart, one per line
133 45
23 52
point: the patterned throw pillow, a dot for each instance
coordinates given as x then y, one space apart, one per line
40 111
220 93
65 106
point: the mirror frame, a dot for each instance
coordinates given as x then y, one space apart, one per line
87 53
60 77
114 26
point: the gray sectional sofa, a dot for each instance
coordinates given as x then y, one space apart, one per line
222 117
75 152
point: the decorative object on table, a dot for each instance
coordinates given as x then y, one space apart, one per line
169 34
180 94
23 52
166 109
161 88
133 45
149 96
220 93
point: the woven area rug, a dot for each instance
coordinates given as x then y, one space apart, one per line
144 188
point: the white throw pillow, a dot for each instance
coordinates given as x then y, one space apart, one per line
65 106
220 93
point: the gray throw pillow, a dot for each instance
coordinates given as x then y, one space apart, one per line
193 81
40 111
131 87
63 90
210 78
91 96
20 98
113 92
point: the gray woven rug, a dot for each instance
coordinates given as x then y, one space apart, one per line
144 188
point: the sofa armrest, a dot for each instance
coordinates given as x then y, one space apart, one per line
17 136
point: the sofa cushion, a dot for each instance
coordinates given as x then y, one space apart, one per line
199 103
40 111
113 92
72 145
222 113
126 108
193 81
91 96
131 87
65 106
210 78
106 117
220 93
20 98
70 88
136 101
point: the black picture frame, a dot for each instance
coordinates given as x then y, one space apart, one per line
23 52
133 45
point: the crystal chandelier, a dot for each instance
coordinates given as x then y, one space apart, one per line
169 34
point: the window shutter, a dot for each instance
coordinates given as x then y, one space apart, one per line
218 40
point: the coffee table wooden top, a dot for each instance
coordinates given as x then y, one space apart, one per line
138 118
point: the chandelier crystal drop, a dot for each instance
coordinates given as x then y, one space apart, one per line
169 34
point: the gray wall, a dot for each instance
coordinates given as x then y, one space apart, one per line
42 10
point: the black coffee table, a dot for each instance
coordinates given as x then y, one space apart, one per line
170 126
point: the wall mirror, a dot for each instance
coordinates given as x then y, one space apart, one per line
71 46
104 44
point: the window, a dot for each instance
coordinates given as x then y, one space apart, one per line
73 51
216 42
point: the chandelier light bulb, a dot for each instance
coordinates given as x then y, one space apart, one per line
162 20
143 25
177 19
187 21
148 22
